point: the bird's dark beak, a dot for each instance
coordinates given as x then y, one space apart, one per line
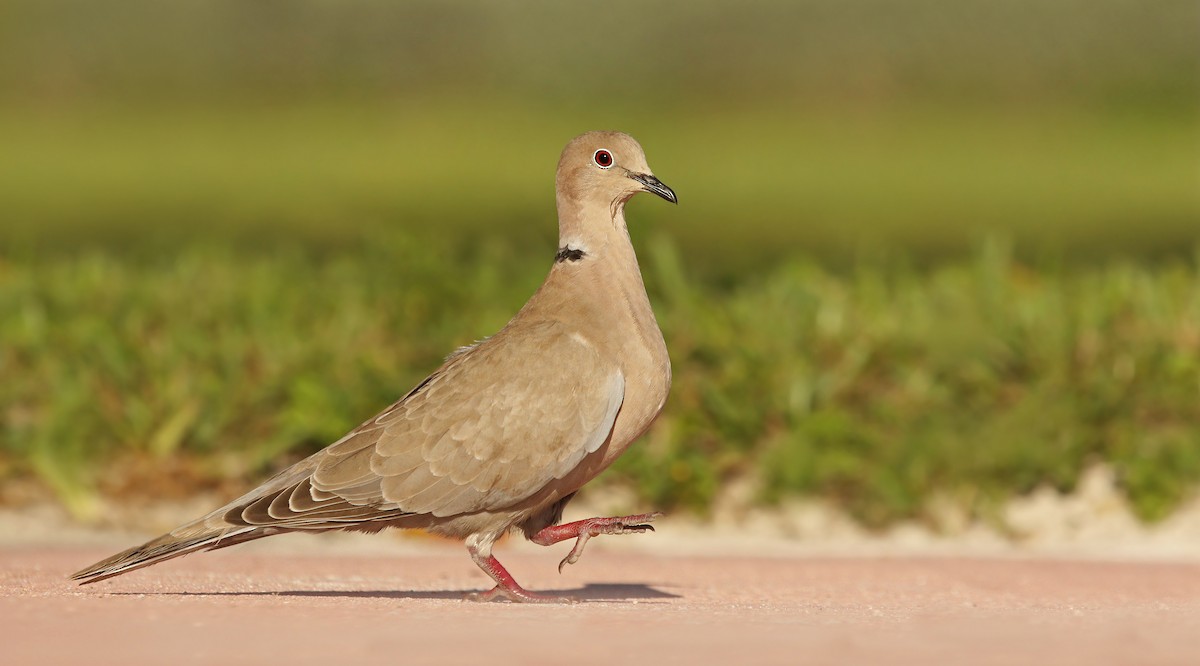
654 185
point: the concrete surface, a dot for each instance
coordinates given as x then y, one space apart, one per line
295 605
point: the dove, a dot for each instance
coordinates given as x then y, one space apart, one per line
502 435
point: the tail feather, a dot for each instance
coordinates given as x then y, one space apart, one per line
207 533
166 547
247 518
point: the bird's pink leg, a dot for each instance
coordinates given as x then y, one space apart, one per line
582 530
506 586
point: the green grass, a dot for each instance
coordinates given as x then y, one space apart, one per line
229 231
196 295
877 388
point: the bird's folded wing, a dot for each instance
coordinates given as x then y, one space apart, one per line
489 429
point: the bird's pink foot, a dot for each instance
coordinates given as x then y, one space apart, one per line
582 530
517 594
507 588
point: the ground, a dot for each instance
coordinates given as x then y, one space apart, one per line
300 600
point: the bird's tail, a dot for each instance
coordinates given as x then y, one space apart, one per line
189 538
209 532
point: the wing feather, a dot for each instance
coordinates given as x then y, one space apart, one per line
489 429
499 423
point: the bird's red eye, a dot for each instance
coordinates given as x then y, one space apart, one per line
603 158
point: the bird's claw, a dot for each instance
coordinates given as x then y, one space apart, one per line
597 526
576 552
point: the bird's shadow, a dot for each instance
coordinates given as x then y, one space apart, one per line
587 593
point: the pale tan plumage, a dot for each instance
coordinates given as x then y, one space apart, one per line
505 431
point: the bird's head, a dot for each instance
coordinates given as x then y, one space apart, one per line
606 168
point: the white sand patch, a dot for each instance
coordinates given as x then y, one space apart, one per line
1095 521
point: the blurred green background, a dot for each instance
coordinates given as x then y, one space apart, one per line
926 251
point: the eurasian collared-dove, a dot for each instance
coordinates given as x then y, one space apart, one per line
504 433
